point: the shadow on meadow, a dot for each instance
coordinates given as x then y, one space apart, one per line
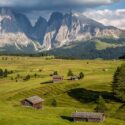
67 118
88 96
47 82
120 113
122 107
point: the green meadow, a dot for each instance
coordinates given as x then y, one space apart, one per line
70 96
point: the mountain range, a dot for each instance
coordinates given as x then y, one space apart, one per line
60 32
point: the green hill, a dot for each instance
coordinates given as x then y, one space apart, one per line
105 48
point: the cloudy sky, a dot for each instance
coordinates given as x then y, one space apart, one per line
108 12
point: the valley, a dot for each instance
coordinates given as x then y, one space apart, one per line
70 96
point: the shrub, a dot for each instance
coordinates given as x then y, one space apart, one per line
54 103
27 77
101 106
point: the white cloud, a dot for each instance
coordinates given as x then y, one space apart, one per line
108 17
51 4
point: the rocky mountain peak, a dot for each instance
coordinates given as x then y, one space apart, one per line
39 30
55 16
59 30
40 21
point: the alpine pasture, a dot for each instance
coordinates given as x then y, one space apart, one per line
62 98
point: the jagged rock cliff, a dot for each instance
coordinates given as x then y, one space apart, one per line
17 32
70 28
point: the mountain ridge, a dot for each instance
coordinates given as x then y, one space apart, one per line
17 31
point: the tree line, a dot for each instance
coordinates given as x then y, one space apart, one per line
5 72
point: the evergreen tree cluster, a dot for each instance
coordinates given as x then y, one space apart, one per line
5 72
118 85
27 77
70 74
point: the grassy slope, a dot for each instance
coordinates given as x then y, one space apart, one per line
92 49
103 45
96 81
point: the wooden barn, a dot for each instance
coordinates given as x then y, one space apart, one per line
34 101
57 78
74 78
88 117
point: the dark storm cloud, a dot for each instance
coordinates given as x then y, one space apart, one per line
53 4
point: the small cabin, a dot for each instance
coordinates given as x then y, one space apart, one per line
34 101
57 78
74 78
88 117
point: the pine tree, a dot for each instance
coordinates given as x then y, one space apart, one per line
118 85
70 73
55 73
101 106
81 75
1 72
5 73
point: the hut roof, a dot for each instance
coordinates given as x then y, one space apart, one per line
75 77
87 115
35 99
57 76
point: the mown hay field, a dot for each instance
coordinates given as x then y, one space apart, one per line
70 96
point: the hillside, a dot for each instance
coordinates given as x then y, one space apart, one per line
104 48
69 95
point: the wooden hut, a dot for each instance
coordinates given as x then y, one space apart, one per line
57 78
34 101
88 117
74 78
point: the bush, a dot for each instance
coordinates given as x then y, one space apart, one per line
101 106
54 103
26 78
35 75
